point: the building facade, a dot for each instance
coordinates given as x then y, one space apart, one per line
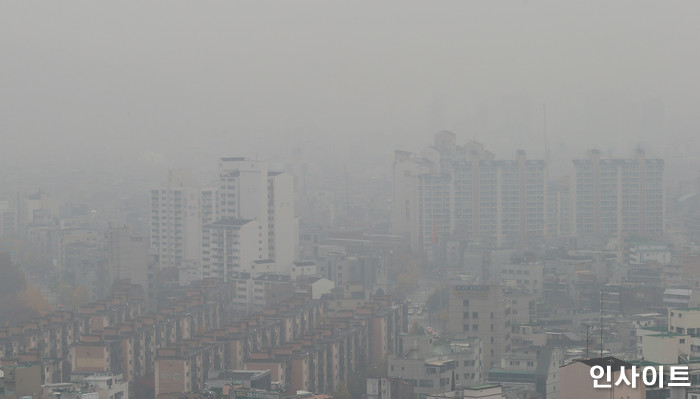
462 192
481 311
614 196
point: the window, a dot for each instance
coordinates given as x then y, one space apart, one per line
475 315
431 370
466 302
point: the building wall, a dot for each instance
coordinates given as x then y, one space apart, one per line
126 258
479 311
611 196
244 191
684 321
283 225
665 348
171 376
576 383
89 359
461 192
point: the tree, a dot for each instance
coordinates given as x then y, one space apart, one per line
416 328
18 301
405 283
79 297
341 392
357 384
35 300
438 301
13 281
379 369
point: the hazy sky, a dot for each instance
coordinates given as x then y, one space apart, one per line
85 82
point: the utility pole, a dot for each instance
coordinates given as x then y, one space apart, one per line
601 323
588 326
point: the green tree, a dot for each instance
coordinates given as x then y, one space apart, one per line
18 300
379 369
438 301
341 392
13 281
416 328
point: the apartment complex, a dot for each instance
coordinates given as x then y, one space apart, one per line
304 344
612 196
219 231
450 191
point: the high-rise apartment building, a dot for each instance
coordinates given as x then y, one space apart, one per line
230 246
481 311
463 192
178 213
614 196
559 209
256 220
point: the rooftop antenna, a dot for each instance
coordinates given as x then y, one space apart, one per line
588 336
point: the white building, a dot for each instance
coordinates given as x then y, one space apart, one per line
526 275
245 225
230 246
249 190
178 213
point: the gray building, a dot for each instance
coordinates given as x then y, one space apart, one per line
612 196
433 366
481 311
450 192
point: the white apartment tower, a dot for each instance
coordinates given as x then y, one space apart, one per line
230 246
256 220
178 212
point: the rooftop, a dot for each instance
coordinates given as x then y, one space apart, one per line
229 222
606 361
